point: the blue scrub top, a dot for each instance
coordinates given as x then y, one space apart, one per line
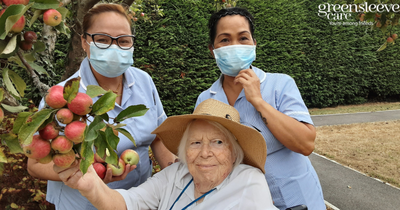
138 89
290 175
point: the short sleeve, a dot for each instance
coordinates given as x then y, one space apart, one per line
290 102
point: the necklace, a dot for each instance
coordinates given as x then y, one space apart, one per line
192 201
115 91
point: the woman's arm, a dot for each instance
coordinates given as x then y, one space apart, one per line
91 186
296 136
163 156
42 171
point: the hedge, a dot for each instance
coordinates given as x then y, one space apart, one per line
332 65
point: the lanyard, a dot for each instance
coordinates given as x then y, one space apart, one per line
192 201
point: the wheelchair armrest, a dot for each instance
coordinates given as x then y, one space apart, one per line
299 207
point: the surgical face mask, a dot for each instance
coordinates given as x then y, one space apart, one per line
234 58
111 62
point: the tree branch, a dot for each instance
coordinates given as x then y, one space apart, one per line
127 3
41 86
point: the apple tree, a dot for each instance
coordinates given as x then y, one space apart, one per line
383 15
20 49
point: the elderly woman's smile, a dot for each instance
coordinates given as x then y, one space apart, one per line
209 155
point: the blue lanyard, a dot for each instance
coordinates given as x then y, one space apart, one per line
192 201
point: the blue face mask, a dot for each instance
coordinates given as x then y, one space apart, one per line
111 62
234 58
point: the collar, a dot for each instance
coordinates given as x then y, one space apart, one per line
216 87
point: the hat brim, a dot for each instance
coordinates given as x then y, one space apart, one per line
250 140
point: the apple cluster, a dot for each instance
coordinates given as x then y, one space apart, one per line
51 17
129 156
49 145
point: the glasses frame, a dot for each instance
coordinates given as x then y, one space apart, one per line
112 40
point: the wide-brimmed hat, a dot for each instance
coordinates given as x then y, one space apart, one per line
250 140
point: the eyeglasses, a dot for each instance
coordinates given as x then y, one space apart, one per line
104 41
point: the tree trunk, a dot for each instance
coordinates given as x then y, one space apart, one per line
49 38
76 54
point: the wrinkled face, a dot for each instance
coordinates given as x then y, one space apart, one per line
109 23
233 30
209 154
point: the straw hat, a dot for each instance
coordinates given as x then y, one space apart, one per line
251 141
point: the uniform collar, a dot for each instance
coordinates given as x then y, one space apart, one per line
216 88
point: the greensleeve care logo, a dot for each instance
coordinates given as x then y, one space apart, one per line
345 14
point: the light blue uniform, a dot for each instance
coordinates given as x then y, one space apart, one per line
138 89
290 175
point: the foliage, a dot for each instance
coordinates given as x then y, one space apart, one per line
332 65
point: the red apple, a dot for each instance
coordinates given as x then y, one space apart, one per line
389 40
25 45
130 156
30 36
52 17
394 36
18 26
38 148
98 159
100 170
11 2
117 170
1 115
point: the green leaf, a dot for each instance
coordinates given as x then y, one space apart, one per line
12 14
28 129
18 82
104 104
12 142
21 120
7 82
1 168
63 29
131 111
38 68
14 109
11 45
63 11
93 128
382 47
39 46
46 4
104 117
71 88
127 134
30 57
35 16
102 146
111 138
2 94
49 120
95 90
87 156
3 158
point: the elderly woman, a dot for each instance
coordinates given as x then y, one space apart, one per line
212 145
269 102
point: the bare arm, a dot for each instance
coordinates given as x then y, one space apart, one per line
296 136
42 171
91 186
163 156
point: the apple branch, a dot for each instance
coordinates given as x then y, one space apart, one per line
42 87
127 3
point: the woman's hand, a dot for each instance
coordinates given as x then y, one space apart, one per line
74 178
251 85
110 178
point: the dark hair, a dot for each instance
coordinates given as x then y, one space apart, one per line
213 22
102 8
